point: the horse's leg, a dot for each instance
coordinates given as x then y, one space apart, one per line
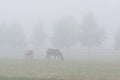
48 57
62 58
58 57
31 57
26 58
55 57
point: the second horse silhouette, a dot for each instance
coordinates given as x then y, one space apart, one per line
56 53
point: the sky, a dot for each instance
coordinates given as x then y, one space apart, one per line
29 12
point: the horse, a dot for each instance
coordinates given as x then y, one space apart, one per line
55 53
29 54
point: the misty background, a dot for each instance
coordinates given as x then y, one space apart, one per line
41 20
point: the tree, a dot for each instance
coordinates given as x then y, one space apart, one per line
3 34
91 35
65 32
17 35
38 36
12 36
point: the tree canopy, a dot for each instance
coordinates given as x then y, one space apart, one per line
65 32
91 35
12 35
38 35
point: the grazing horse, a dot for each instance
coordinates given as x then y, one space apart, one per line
55 53
29 55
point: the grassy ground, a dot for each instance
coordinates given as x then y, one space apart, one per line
55 70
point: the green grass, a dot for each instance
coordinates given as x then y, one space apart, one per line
20 78
53 70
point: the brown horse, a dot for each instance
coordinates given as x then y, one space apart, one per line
29 54
55 53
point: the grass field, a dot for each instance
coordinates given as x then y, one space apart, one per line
55 70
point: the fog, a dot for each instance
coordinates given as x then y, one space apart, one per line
59 40
28 13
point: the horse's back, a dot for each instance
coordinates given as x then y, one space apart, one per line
54 52
29 52
50 51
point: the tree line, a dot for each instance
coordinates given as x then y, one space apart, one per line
67 33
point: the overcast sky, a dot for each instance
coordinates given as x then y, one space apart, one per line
29 12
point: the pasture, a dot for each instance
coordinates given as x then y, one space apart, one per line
71 69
